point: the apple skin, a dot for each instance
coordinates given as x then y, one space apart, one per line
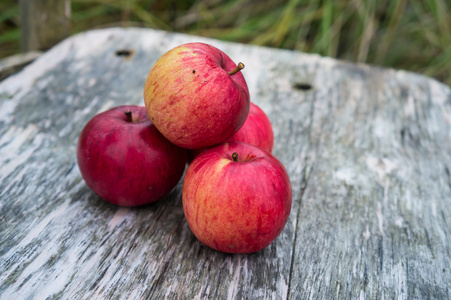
191 98
256 130
236 206
128 163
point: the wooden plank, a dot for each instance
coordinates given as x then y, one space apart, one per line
366 150
15 63
375 217
43 23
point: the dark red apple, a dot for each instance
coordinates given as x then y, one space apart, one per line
257 131
125 160
236 197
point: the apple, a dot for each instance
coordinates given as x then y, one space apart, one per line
196 96
125 160
236 197
256 130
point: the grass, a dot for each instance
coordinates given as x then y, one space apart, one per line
413 35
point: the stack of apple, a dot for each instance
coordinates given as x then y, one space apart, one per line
236 194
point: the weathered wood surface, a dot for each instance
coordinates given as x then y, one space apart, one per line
13 64
368 151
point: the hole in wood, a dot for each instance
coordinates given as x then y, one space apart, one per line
126 53
302 86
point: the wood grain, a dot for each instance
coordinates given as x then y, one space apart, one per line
367 150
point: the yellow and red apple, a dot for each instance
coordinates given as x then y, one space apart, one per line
236 197
196 96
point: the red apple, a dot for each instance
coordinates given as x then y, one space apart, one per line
196 96
125 160
257 131
236 197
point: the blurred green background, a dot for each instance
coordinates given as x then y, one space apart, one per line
412 35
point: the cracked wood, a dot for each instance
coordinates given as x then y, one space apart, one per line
367 150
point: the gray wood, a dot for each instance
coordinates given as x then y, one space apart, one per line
367 151
13 64
43 23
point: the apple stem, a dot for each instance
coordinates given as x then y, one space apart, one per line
237 69
128 113
235 156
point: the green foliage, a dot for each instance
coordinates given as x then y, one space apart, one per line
413 35
9 30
